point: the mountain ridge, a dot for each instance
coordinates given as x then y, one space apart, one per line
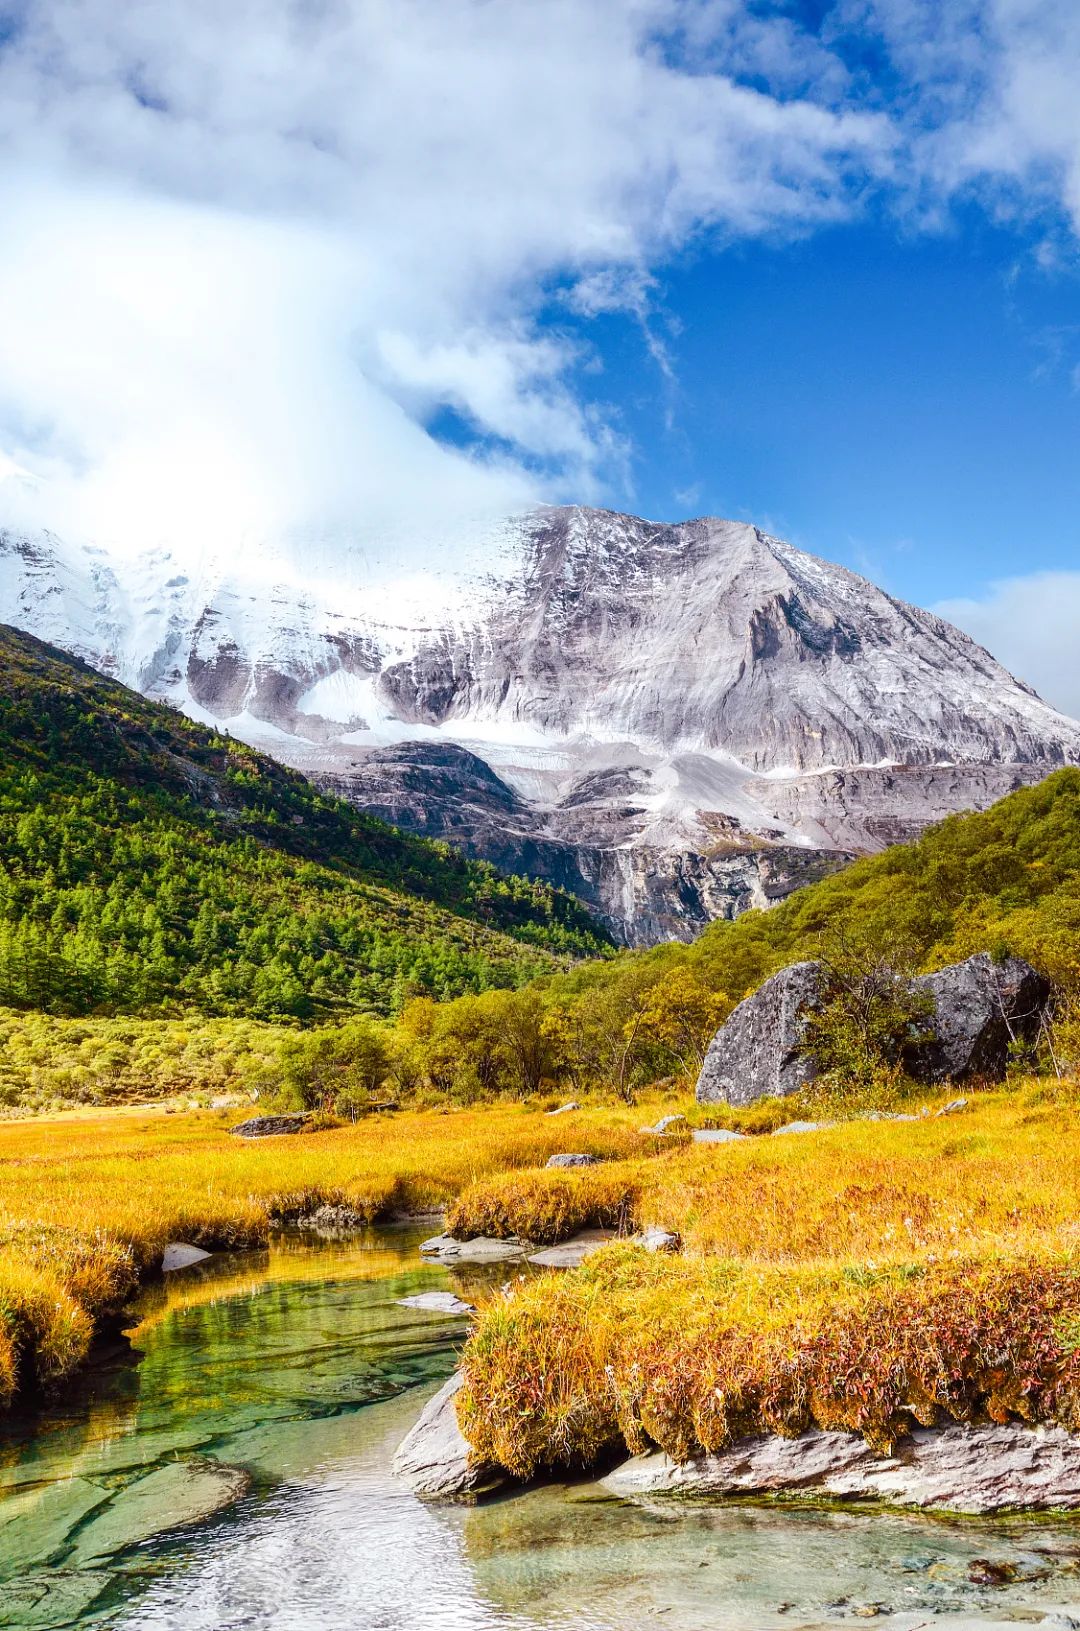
650 699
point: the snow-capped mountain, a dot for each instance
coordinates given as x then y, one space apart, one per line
674 721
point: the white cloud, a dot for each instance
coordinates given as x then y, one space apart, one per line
253 249
1030 624
250 249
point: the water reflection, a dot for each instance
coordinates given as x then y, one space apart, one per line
237 1477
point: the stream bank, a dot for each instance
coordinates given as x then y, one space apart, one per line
270 1389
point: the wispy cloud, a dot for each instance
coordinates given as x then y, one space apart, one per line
254 249
1030 624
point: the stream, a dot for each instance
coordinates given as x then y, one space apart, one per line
226 1466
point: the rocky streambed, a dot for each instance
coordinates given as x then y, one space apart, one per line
228 1465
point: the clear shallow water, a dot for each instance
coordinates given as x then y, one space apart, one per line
233 1473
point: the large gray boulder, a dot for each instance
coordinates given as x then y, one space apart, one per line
980 1007
434 1457
981 1469
759 1051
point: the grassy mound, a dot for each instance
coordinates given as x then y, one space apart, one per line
865 1277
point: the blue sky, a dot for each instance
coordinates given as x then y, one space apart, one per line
906 404
381 269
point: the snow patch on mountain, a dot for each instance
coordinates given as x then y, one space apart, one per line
599 698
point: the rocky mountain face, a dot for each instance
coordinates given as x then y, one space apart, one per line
673 721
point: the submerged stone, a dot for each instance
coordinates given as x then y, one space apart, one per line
170 1497
437 1302
39 1524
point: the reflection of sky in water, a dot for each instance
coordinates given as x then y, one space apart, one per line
265 1362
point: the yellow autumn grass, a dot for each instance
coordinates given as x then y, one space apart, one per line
88 1203
864 1276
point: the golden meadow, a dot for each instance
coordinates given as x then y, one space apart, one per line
89 1201
863 1276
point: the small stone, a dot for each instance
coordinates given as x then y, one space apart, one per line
179 1255
953 1108
716 1135
657 1240
983 1571
440 1246
437 1302
481 1249
664 1125
801 1127
572 1161
867 1611
564 1109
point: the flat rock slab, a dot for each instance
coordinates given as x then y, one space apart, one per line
437 1302
564 1109
572 1161
481 1249
802 1127
573 1251
271 1126
434 1457
973 1470
170 1497
179 1255
716 1135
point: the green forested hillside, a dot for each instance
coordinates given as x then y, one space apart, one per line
1006 880
1003 880
148 863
